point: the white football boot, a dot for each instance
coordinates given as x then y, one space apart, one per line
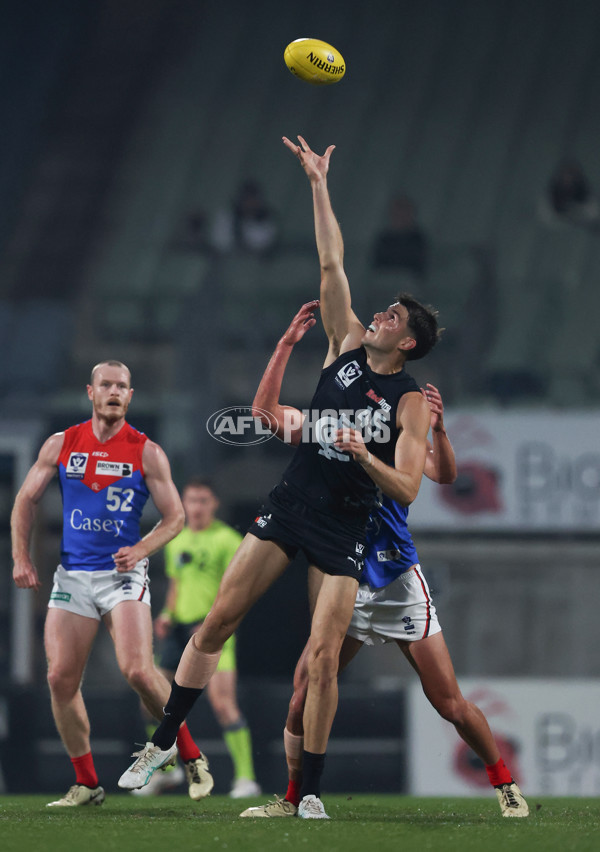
146 762
311 807
278 808
79 795
511 800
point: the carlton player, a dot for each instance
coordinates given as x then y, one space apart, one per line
324 500
393 602
107 470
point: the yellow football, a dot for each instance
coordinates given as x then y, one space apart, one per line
314 61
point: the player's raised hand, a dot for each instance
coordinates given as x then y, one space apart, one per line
304 319
315 166
436 406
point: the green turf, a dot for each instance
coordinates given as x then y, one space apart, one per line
359 822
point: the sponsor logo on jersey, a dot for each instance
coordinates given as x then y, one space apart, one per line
379 400
122 469
76 465
388 555
79 521
348 374
100 454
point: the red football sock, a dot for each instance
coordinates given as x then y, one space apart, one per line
186 745
293 792
85 772
498 774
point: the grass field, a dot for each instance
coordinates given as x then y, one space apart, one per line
360 822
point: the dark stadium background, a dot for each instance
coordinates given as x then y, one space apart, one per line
122 118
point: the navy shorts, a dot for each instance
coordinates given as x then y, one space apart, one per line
328 543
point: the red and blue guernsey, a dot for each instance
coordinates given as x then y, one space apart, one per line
389 550
104 494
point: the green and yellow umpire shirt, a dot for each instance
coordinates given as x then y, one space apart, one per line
197 562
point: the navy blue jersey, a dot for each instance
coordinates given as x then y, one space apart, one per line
390 550
350 394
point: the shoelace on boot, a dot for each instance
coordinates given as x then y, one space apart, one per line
144 758
194 772
313 806
509 796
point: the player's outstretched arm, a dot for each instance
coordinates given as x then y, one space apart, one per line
341 324
24 510
440 461
283 420
157 473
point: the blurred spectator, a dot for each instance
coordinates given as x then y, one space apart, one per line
570 197
403 243
250 225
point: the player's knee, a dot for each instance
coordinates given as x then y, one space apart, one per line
63 685
450 708
138 676
323 665
215 631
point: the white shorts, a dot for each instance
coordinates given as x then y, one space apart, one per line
403 610
94 593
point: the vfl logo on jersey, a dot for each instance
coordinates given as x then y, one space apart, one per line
76 465
348 374
121 469
360 548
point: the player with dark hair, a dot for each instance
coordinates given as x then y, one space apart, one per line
323 502
107 470
393 603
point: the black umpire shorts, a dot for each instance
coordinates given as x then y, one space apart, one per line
173 645
326 542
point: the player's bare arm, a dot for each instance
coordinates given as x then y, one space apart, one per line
402 481
285 421
343 328
157 473
440 462
24 510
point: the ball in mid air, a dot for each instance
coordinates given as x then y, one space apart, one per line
314 61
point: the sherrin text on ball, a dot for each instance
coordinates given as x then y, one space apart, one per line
314 61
